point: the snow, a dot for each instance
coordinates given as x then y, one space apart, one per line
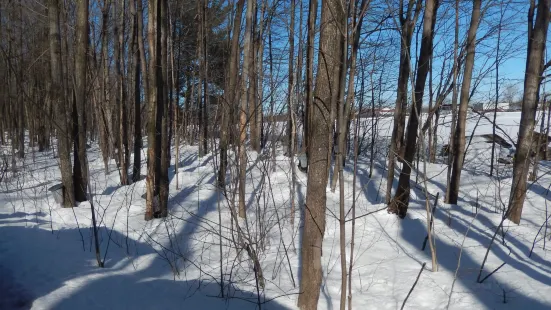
47 258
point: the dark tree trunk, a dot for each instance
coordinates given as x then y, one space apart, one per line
407 25
399 205
80 168
60 103
137 102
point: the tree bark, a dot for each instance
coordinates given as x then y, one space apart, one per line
230 94
123 152
80 168
137 102
154 38
291 148
536 51
459 140
243 112
312 14
314 219
407 24
163 111
399 205
63 110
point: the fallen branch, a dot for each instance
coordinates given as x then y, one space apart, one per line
364 215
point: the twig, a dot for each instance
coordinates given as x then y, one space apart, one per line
491 273
364 215
431 220
414 284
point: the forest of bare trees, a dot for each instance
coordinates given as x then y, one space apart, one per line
261 84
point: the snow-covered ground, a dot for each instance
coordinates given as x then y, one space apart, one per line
47 258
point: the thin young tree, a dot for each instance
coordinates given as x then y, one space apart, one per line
123 150
135 37
230 93
459 139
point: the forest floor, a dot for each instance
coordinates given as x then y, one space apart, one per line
47 256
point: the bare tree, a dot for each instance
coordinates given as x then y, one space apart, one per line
80 168
135 37
399 204
408 20
230 93
537 34
321 124
154 38
62 108
243 113
459 139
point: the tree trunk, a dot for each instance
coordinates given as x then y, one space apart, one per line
163 110
137 102
312 15
230 94
80 169
407 23
243 112
399 205
59 101
459 140
291 149
314 219
536 51
154 38
451 143
123 152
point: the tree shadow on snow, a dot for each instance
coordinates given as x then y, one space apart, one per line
489 293
117 286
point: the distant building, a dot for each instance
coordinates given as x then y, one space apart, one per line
503 106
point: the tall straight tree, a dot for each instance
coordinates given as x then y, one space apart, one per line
230 93
408 20
537 36
291 147
63 111
154 100
80 168
455 94
162 112
459 140
399 205
135 37
243 112
312 14
121 93
321 126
